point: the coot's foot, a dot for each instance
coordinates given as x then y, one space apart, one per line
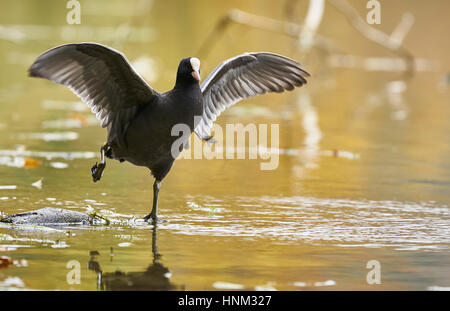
97 171
153 219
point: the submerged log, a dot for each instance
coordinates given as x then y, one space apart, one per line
49 216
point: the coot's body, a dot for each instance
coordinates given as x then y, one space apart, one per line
147 141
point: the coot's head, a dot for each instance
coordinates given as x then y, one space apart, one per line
188 71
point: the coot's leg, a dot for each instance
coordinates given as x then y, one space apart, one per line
154 212
97 169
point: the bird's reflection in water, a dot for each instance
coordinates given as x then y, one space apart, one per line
156 277
95 266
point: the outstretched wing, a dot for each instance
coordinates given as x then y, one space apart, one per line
244 76
101 76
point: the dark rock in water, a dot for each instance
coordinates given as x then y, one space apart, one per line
49 216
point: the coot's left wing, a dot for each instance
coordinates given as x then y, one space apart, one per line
244 76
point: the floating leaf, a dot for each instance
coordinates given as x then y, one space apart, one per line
5 262
31 163
19 162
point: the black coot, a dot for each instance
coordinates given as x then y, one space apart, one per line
139 119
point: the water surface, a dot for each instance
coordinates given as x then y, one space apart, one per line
363 170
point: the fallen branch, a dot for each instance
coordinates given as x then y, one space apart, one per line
259 22
391 43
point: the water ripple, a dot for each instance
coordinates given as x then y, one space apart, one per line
345 223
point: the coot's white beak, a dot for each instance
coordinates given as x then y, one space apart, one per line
195 64
196 75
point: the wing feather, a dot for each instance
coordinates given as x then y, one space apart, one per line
102 77
244 76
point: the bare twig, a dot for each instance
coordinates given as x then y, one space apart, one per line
374 34
259 22
313 19
391 42
402 28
